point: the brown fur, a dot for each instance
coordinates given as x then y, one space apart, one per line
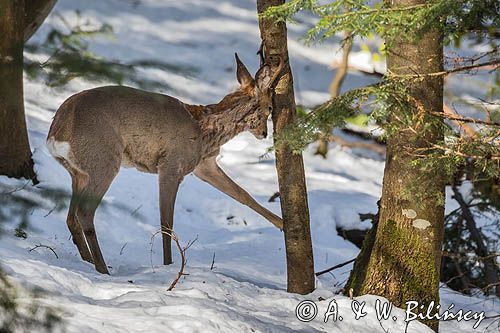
114 126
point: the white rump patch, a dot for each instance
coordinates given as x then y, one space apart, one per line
58 148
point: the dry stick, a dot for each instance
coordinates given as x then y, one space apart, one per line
50 211
44 246
213 262
182 251
460 276
123 247
335 267
487 328
274 197
17 189
492 317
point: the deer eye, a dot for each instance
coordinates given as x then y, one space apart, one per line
270 109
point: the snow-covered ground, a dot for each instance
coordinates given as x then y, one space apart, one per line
246 289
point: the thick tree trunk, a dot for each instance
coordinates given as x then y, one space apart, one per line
290 167
15 154
35 13
406 255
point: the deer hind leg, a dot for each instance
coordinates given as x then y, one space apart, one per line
75 228
91 195
169 184
78 179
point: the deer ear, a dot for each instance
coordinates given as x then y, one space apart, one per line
242 74
263 77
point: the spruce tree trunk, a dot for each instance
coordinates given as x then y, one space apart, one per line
289 166
406 253
15 153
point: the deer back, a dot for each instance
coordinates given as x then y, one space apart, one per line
128 127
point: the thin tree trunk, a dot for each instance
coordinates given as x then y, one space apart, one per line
289 166
35 13
334 89
15 153
406 256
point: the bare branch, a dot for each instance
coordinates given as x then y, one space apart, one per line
182 251
273 197
213 262
335 267
123 247
44 246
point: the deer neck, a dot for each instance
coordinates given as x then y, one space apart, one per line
221 122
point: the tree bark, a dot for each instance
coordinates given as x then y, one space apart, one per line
406 254
35 13
15 153
289 166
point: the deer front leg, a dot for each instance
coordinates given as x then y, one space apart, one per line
211 173
169 184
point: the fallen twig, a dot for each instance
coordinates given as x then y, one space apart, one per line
213 262
274 197
50 211
182 251
335 267
44 246
123 247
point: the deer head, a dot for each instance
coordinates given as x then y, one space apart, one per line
261 91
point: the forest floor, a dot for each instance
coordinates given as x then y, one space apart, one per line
236 272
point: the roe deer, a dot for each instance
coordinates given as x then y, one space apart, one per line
96 131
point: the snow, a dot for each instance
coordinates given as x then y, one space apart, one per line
246 289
